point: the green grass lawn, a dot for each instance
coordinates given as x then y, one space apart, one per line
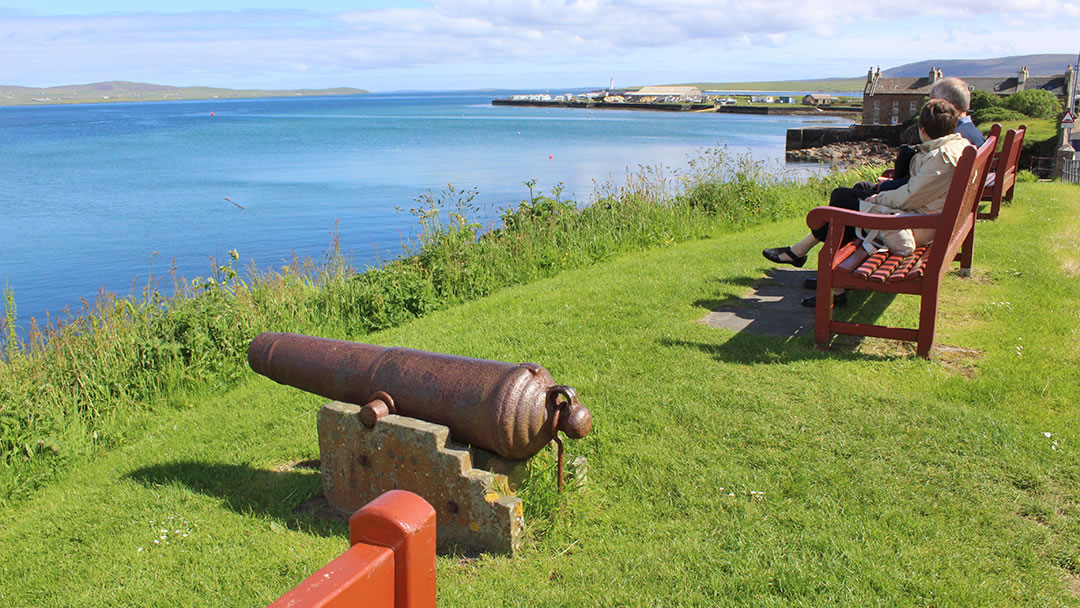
1039 131
725 468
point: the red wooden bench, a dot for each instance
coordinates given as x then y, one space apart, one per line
849 266
1003 168
391 563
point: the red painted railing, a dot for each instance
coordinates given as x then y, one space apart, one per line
391 562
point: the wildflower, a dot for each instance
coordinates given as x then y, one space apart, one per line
1047 434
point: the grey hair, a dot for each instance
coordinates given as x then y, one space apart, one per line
954 91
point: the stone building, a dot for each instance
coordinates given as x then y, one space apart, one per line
1058 84
891 101
817 99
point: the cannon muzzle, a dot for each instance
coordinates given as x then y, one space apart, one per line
511 409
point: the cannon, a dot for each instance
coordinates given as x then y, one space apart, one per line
511 409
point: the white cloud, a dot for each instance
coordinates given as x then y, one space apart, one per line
286 48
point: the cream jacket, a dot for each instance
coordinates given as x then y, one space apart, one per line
931 175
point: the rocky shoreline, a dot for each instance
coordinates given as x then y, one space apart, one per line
846 154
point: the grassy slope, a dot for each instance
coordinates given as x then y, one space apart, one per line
832 85
887 480
1039 132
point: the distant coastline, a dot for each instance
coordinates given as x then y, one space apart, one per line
761 109
121 92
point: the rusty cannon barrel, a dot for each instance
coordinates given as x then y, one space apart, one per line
511 409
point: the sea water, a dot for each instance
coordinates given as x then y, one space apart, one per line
98 196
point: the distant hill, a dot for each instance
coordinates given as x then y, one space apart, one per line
119 91
1037 65
820 85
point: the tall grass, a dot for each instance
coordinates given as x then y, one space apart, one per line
77 384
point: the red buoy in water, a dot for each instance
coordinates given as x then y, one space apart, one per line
551 156
211 113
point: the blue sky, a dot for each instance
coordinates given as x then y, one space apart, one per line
455 44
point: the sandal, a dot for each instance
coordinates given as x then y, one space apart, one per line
773 255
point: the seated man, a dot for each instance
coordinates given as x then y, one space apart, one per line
931 175
957 92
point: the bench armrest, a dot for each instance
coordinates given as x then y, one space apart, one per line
839 218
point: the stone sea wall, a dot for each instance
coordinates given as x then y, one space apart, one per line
812 137
847 154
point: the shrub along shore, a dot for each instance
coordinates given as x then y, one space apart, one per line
143 464
72 388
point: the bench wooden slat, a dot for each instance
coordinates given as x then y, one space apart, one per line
884 272
871 264
911 267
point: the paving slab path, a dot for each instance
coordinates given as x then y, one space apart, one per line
773 308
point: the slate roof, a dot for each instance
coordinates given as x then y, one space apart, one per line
999 85
891 86
1007 86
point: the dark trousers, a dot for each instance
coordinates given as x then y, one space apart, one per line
848 198
844 198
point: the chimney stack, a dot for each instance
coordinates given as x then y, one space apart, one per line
872 79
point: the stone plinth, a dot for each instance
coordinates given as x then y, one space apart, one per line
471 505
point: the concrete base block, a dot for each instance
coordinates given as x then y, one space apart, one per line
472 505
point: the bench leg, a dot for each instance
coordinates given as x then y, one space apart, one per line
823 310
927 323
966 252
995 204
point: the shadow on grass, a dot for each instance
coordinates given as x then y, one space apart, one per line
246 489
771 326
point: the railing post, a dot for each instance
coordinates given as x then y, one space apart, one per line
391 562
405 523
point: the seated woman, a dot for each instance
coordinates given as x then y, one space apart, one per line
931 173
